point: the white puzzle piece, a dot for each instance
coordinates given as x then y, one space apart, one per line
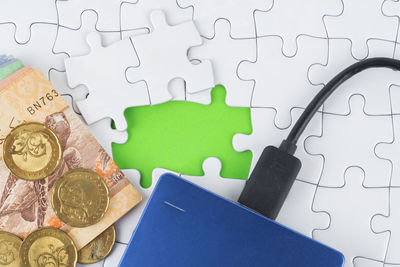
290 19
350 228
226 53
265 134
105 135
389 222
101 130
212 180
69 13
137 15
360 21
395 97
391 8
373 84
126 225
177 89
59 80
363 262
163 57
73 41
38 52
282 82
391 151
24 13
103 72
350 141
202 97
239 13
68 98
298 205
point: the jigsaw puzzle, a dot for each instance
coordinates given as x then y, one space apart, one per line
155 67
289 25
355 147
226 53
360 21
272 57
112 61
281 82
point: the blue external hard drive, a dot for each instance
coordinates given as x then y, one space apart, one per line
186 225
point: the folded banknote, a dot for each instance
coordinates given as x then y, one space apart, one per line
28 96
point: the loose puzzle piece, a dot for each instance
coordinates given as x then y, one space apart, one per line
70 101
177 88
23 14
72 41
226 53
125 227
136 16
38 51
59 80
281 82
211 180
163 57
390 224
239 13
109 94
290 19
106 136
179 136
265 133
101 130
354 137
69 12
297 212
360 21
351 209
373 84
391 151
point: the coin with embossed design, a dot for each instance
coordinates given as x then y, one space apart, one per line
48 247
80 198
98 248
32 151
9 249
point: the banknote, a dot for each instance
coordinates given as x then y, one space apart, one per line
9 68
27 96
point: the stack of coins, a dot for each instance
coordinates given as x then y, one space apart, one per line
79 198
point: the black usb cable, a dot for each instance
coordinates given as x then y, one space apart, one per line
276 170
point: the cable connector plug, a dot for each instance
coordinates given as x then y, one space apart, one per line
271 180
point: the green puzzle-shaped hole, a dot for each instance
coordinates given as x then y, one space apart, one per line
180 135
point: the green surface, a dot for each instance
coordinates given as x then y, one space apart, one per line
180 135
10 69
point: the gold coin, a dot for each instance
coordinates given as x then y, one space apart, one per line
32 151
9 249
48 247
80 198
98 248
